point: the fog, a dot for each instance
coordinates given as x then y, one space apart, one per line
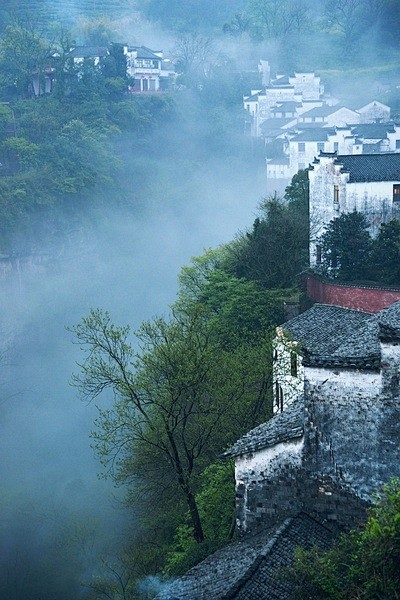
58 518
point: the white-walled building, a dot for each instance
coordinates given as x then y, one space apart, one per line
150 71
338 432
367 183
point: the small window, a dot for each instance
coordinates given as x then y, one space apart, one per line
319 254
276 355
396 192
397 144
278 397
293 364
336 194
320 146
336 146
302 147
277 393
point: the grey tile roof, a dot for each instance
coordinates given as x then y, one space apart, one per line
286 104
373 131
253 98
220 572
323 111
335 336
285 426
273 124
361 350
88 51
270 581
371 167
313 134
143 52
389 323
282 80
252 568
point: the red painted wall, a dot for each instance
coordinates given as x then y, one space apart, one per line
370 299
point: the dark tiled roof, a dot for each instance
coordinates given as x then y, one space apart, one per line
88 51
371 167
276 123
283 427
313 134
270 581
359 351
251 568
322 111
143 52
283 80
373 131
331 335
253 98
389 323
285 107
220 572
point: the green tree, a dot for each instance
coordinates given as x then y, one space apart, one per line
275 251
351 19
216 502
346 246
24 55
385 255
171 399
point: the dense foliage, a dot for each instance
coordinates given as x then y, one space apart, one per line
200 379
364 564
276 250
349 253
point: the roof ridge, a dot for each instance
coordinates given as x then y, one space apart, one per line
238 585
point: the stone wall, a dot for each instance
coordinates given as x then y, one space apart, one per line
352 427
369 299
264 501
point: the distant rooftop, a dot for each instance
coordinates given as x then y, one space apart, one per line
323 111
88 51
371 167
373 130
313 134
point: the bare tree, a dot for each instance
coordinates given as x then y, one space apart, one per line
192 53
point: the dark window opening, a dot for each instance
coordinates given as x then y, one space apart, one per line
396 192
302 147
278 397
293 364
336 194
319 254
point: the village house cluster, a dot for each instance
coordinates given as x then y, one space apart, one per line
297 120
148 70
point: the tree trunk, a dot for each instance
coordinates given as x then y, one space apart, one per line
198 532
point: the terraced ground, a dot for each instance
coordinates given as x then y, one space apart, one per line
44 11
